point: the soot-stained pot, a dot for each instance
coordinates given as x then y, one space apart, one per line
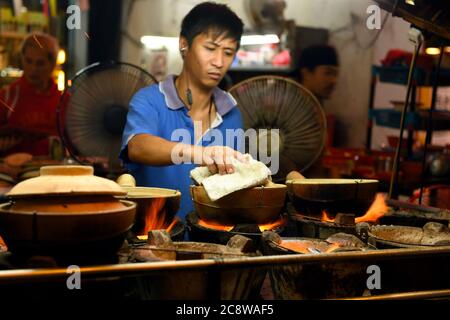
66 210
259 205
312 196
156 207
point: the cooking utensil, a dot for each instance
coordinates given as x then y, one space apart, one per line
259 205
153 203
158 204
66 211
312 196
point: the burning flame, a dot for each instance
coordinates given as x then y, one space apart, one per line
155 216
215 226
144 237
172 224
3 246
228 228
325 217
377 210
272 226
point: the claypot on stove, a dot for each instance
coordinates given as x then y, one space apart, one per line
65 210
312 196
258 205
156 207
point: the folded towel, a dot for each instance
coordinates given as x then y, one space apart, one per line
246 175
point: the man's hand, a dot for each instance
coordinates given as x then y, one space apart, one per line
219 159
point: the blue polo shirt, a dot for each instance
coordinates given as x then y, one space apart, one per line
158 110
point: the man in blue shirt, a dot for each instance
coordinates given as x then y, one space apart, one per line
186 120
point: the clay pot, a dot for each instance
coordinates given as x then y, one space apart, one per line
166 203
66 210
312 196
65 180
259 205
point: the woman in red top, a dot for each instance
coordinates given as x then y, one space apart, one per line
30 103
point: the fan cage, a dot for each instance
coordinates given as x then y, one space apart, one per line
74 84
248 86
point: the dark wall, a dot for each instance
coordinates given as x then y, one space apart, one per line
104 30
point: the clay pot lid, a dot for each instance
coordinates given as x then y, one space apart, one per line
148 193
66 180
331 181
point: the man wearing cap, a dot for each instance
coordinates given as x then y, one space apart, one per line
318 72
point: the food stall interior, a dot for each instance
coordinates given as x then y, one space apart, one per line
380 206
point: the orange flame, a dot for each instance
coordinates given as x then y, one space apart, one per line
3 246
325 217
155 216
228 228
272 226
144 237
172 224
215 226
377 210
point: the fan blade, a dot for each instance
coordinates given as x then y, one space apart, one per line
96 107
280 103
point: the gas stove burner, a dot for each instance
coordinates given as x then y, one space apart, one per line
322 228
314 228
176 230
202 231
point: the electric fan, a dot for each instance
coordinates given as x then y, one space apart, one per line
92 112
270 102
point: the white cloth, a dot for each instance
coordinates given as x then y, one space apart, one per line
246 175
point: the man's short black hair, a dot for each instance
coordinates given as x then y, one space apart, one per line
212 17
319 55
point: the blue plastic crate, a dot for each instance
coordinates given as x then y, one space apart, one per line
391 118
399 75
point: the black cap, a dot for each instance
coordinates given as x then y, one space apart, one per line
320 55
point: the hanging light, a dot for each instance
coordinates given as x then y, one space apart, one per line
410 2
158 43
61 80
61 59
433 51
257 39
